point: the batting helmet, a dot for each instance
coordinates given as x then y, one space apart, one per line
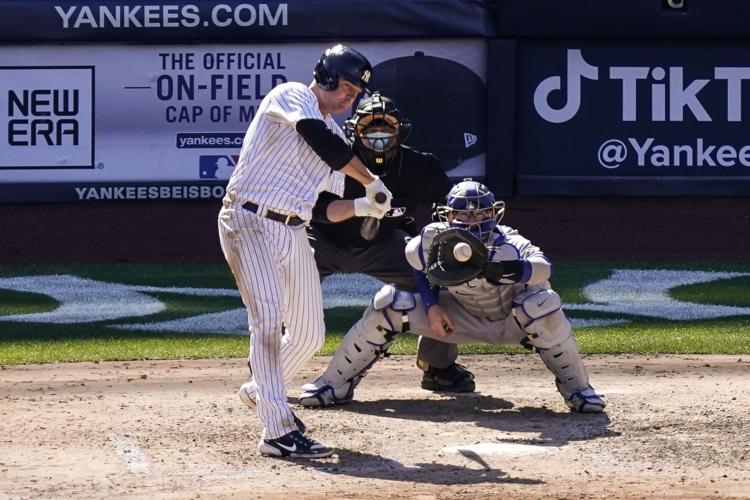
470 205
344 62
377 129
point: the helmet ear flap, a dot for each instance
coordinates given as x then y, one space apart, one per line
323 77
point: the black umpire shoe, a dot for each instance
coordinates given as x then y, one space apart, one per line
454 378
294 445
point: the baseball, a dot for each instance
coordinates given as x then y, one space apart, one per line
462 252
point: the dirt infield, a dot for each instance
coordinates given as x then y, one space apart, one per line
676 427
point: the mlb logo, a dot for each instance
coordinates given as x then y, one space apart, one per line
217 167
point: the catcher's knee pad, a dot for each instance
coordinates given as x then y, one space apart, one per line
363 345
540 315
394 304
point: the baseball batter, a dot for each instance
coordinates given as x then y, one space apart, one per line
292 151
510 302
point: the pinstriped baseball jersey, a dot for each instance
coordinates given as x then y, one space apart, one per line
277 169
272 262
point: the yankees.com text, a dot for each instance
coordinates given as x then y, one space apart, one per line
171 16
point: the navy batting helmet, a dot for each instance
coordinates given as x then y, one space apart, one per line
471 206
344 62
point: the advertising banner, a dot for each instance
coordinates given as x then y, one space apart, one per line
603 118
104 118
211 21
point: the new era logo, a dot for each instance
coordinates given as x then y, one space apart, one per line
469 139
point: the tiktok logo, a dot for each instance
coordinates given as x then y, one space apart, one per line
578 68
667 93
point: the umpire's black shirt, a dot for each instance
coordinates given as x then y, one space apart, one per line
416 180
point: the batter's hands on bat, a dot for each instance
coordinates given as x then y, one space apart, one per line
372 189
363 208
439 321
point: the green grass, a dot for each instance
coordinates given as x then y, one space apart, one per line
39 343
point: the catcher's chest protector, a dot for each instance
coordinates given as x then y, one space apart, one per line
485 300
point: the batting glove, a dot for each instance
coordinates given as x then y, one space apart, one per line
373 189
363 208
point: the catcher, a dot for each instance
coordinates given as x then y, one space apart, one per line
479 282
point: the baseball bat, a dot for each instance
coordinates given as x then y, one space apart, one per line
371 225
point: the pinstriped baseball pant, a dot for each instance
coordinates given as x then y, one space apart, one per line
276 275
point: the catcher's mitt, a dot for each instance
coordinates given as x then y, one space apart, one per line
444 268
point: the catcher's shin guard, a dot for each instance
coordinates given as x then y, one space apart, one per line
539 313
363 345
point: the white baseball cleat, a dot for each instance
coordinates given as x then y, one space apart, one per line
247 394
586 401
318 394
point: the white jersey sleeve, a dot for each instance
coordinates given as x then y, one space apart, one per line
334 184
291 103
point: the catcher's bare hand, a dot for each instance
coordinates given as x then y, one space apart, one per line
439 321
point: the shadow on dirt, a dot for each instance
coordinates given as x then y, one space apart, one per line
352 463
544 427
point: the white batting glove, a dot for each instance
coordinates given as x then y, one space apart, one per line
363 208
375 187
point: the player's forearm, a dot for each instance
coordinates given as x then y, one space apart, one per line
340 210
428 292
358 171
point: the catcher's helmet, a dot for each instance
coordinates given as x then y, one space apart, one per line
470 205
377 129
344 62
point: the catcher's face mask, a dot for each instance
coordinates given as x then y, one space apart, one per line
471 206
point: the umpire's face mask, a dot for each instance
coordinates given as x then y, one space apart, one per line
380 138
377 146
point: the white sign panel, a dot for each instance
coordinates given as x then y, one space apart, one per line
125 115
47 117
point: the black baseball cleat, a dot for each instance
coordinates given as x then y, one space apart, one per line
294 445
454 378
